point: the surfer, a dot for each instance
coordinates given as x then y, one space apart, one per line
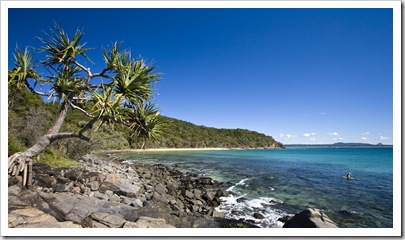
349 176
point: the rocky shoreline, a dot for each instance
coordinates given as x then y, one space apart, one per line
105 191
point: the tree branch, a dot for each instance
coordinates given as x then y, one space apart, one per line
87 70
28 85
101 74
80 109
90 124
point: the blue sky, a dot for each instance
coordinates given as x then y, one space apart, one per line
299 75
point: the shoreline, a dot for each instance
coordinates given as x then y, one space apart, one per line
164 150
177 149
107 192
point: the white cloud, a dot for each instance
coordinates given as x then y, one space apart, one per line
286 136
363 138
323 113
309 134
383 138
365 133
336 136
312 139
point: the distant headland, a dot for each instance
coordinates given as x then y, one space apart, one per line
339 145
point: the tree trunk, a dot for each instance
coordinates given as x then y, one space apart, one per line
20 164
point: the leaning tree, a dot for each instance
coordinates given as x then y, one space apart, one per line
119 94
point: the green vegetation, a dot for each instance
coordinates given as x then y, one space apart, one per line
182 134
176 134
120 95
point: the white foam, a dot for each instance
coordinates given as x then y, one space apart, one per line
246 209
240 183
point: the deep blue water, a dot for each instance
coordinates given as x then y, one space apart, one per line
282 182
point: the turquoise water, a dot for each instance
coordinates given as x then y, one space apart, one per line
282 182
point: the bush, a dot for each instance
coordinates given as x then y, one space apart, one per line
55 159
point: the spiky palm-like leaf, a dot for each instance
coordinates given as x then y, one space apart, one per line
146 122
66 82
60 48
109 103
135 80
112 56
23 70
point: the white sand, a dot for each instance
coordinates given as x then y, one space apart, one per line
167 149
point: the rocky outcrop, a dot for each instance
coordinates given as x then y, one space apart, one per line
33 218
106 191
310 218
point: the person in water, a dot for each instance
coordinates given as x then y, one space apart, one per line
349 176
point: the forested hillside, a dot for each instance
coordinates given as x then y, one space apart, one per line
182 134
30 117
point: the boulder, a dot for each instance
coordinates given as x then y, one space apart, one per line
148 222
258 216
109 220
217 214
34 218
310 218
206 181
93 185
189 194
65 206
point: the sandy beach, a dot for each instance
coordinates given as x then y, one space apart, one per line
166 150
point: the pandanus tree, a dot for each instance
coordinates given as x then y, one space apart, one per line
121 93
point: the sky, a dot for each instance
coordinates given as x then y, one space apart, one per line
309 76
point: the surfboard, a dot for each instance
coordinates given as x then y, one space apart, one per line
352 178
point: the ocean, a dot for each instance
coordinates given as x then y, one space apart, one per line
280 182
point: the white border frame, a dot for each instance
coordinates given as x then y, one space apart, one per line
397 107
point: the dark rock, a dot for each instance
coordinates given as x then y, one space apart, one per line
310 218
41 168
258 216
207 196
346 212
206 181
45 180
273 202
284 218
221 193
232 223
61 188
241 199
